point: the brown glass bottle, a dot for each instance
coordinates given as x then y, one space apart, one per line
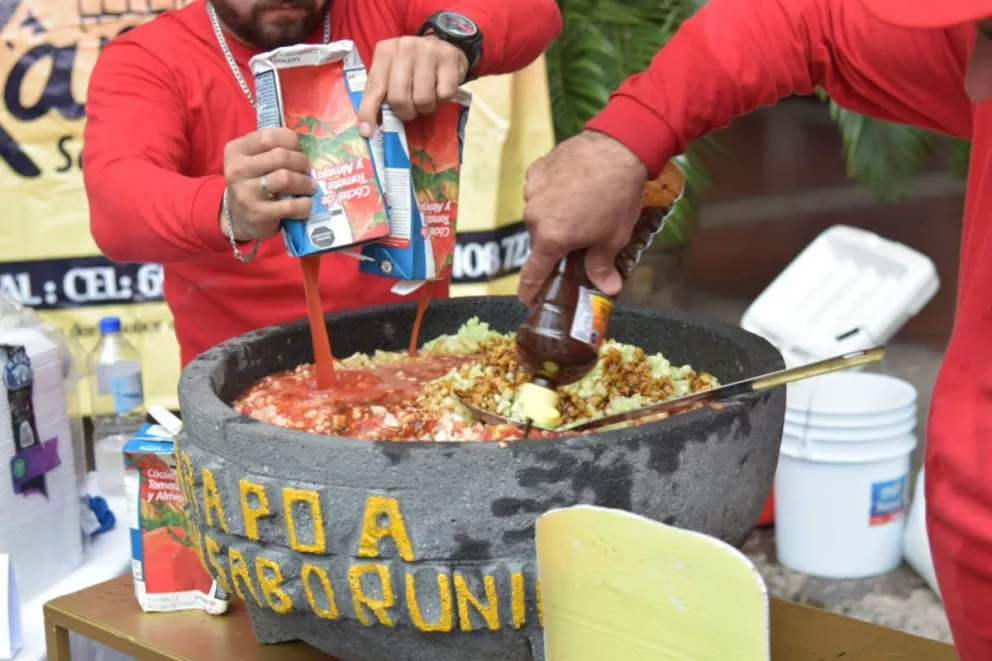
553 344
559 341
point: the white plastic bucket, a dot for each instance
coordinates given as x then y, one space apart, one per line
850 396
841 491
831 421
880 435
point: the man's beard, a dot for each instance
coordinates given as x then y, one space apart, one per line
270 34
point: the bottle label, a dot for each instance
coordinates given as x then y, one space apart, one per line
592 317
127 392
122 382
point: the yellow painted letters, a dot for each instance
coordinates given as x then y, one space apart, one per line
445 620
464 598
180 473
211 500
330 612
361 600
213 550
311 498
373 530
241 576
270 581
196 538
184 471
518 600
250 513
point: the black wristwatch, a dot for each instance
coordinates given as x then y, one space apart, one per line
458 30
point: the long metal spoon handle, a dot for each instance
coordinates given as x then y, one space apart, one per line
738 388
847 361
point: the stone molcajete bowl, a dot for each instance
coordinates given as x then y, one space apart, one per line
378 551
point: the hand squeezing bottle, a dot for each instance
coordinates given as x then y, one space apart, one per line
559 341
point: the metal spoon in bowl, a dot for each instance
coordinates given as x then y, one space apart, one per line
729 391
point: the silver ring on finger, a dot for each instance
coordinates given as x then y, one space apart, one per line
264 184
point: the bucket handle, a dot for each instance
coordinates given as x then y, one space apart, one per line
805 442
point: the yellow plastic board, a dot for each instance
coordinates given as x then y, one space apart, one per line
619 586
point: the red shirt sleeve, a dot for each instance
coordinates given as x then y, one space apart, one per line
514 32
142 208
735 56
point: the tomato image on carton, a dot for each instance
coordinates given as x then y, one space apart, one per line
315 90
422 161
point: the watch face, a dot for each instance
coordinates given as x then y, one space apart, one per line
456 24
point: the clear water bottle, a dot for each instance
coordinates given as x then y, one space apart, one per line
117 403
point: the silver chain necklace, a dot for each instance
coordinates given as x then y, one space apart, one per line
215 22
225 205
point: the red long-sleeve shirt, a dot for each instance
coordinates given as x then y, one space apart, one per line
163 103
737 55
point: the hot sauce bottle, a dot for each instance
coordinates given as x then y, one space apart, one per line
558 343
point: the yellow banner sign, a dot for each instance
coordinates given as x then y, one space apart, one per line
48 259
509 127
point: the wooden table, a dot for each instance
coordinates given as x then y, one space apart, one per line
109 614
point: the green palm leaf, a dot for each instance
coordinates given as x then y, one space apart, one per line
576 77
603 43
960 155
606 41
883 155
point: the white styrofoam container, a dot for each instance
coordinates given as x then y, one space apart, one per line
848 290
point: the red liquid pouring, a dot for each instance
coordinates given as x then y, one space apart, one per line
323 358
425 298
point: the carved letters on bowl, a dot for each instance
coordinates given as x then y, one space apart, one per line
273 543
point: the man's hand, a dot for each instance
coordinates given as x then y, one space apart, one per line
587 193
256 209
413 74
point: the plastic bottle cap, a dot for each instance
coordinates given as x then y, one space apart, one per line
540 404
110 325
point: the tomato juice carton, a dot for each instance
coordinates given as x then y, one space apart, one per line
422 161
165 553
316 91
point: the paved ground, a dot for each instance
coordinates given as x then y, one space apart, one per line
898 599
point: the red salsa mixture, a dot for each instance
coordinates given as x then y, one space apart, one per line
401 397
377 403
